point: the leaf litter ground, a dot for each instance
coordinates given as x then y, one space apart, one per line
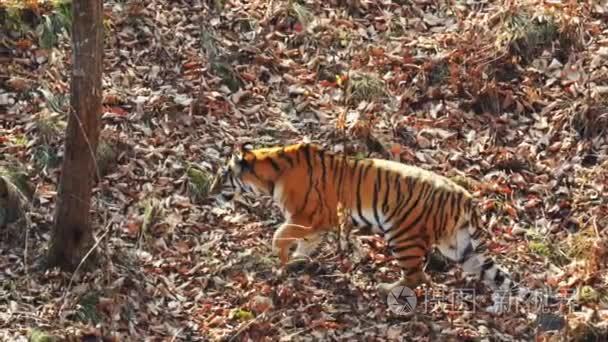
507 98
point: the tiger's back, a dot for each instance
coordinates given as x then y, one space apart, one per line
394 194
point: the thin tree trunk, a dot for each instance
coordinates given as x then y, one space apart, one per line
72 232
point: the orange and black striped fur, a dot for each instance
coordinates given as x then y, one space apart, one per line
413 209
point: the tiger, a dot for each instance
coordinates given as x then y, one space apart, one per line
412 208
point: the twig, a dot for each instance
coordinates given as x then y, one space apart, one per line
28 223
176 333
597 232
268 13
67 289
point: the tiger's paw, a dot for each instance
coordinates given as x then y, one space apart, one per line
386 288
411 282
303 265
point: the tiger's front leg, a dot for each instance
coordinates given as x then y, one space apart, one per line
288 234
410 255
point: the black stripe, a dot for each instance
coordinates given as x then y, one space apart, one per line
320 197
377 189
466 254
335 168
426 189
451 212
487 264
477 234
341 177
240 184
459 203
437 212
403 248
432 211
499 278
323 170
274 164
251 167
481 247
386 193
397 202
401 203
449 209
331 158
413 194
408 257
368 230
427 207
310 184
271 185
443 213
283 155
362 172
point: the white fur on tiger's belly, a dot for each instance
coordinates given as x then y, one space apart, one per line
277 197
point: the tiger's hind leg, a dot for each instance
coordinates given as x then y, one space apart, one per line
410 255
465 247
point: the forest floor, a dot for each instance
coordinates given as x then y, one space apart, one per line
509 98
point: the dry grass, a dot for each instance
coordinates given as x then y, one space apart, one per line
365 87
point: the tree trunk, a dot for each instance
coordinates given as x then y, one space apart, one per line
72 233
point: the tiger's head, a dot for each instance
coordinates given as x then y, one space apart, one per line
239 175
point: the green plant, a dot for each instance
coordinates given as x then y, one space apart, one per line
87 308
199 182
54 23
36 335
525 34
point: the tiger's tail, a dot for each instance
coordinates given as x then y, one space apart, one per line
471 253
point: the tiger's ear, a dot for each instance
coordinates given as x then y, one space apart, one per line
238 156
242 148
246 147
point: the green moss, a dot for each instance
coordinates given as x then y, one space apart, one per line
152 211
20 140
87 308
579 245
525 35
241 314
36 335
229 76
549 251
539 248
199 182
45 157
588 294
107 155
49 126
15 193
